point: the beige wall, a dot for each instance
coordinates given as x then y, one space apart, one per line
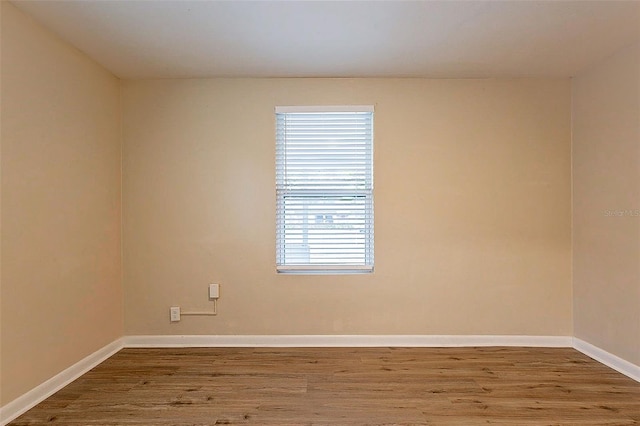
472 205
1 8
606 184
61 274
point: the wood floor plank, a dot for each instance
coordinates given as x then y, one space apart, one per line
344 386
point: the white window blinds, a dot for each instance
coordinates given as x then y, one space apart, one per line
324 189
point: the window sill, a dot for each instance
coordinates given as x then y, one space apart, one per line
323 269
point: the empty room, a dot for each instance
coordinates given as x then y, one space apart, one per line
319 212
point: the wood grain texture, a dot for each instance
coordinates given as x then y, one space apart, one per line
345 386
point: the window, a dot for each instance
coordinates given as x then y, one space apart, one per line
324 189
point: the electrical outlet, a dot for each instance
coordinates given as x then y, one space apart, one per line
175 313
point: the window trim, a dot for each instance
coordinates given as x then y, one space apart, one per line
321 269
321 108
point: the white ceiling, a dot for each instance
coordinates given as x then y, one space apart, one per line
164 39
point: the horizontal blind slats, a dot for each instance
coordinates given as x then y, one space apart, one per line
324 188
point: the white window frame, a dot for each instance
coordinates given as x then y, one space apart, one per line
285 189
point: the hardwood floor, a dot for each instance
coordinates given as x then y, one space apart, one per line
345 386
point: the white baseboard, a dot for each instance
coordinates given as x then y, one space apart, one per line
343 341
38 394
610 360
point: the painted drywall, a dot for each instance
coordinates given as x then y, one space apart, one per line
0 201
606 204
472 208
61 180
